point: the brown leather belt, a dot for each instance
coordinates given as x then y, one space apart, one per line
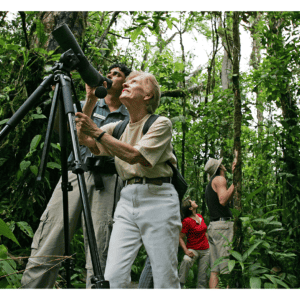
223 219
144 180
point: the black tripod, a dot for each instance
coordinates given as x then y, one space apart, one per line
63 95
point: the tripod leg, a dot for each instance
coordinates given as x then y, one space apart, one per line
33 100
65 185
78 169
46 147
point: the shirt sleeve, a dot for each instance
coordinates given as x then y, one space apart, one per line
153 144
185 226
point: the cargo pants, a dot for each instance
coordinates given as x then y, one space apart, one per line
218 234
42 270
202 256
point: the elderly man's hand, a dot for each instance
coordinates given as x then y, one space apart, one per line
86 126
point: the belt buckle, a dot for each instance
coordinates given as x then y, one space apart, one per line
137 180
157 182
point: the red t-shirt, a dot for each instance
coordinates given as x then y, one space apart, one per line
195 233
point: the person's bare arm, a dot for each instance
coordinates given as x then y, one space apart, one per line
220 186
126 152
183 245
91 100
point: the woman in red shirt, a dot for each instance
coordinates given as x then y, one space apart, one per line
197 246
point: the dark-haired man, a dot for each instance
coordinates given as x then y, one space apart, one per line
217 198
42 270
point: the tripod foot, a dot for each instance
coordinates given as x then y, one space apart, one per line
97 284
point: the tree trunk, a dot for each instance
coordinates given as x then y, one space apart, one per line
210 68
237 176
226 79
255 59
183 113
75 20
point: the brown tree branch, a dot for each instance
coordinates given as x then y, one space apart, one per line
227 42
104 34
122 37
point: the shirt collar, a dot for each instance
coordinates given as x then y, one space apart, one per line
101 103
122 109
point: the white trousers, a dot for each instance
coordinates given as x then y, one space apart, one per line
147 214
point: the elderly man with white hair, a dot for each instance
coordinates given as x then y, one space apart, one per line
217 197
148 211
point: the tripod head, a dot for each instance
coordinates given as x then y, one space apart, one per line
67 62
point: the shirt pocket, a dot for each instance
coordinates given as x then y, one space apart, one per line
40 233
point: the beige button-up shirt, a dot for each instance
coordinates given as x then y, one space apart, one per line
155 146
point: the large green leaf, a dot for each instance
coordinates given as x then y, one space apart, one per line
11 276
4 230
136 33
3 252
34 170
242 265
231 265
271 278
3 121
250 250
37 116
279 281
254 193
255 283
236 255
24 165
169 22
8 268
25 227
53 165
269 285
35 141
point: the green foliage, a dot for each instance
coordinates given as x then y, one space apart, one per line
138 265
5 231
270 148
9 275
265 262
8 271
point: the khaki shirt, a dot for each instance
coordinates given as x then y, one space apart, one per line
155 146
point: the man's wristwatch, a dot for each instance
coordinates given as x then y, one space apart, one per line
100 136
